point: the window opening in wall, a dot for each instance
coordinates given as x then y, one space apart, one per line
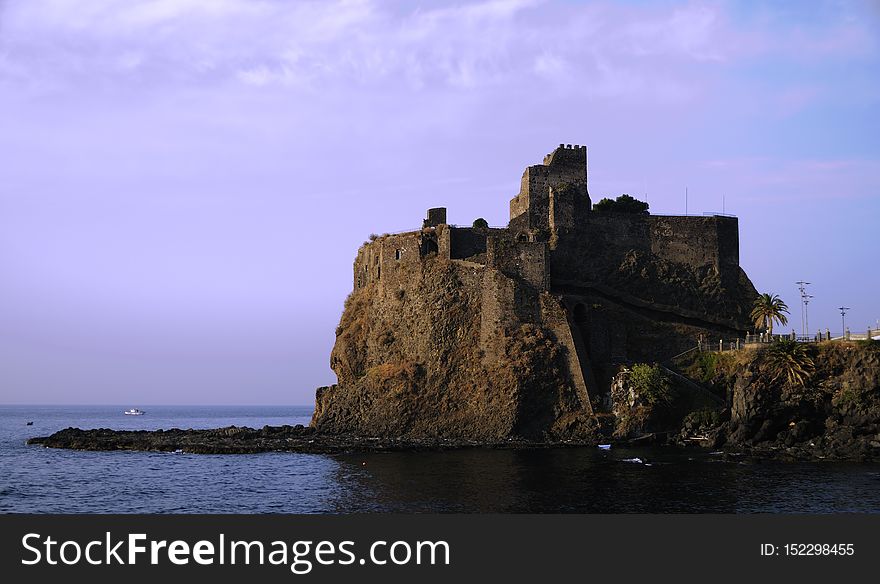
398 253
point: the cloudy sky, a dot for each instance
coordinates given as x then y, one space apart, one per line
184 184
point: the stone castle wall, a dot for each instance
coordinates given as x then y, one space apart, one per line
693 241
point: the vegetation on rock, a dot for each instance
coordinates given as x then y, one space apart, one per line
796 399
641 397
789 360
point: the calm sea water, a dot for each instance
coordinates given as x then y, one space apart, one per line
583 480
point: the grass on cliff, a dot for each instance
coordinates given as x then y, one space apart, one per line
397 378
354 314
714 370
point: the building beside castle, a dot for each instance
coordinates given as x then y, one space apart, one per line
601 287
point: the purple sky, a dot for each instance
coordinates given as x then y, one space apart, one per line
184 184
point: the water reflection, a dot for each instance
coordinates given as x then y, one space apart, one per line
590 481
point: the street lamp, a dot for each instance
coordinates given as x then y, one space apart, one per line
843 310
807 298
802 286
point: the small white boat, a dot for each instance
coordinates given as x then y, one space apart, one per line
133 412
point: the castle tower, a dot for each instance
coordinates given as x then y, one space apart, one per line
564 169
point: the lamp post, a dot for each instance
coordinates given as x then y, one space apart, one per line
807 298
843 310
802 286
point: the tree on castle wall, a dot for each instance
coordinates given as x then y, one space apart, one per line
622 204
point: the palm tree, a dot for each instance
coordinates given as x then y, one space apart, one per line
790 359
769 307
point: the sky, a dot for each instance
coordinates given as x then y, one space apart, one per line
184 184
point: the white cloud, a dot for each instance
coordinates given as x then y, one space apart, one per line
691 31
593 49
263 42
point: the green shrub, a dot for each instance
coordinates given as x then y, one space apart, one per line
622 204
708 365
651 383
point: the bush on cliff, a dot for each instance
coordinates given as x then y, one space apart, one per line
789 360
642 397
651 383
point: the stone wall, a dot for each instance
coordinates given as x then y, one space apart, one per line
695 240
387 259
467 242
526 260
600 240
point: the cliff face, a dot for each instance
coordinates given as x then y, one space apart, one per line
835 413
411 364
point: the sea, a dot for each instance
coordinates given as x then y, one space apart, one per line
34 479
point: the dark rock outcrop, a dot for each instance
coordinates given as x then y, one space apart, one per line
243 440
411 365
834 415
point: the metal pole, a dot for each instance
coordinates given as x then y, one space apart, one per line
843 310
807 298
801 289
802 286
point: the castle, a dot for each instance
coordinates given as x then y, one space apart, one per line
597 288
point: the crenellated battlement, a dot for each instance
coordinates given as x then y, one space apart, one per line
568 154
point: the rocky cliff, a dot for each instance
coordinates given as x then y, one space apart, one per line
411 364
833 414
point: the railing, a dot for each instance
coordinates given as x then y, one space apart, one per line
869 335
758 339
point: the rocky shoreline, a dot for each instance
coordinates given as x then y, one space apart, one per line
305 440
244 440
